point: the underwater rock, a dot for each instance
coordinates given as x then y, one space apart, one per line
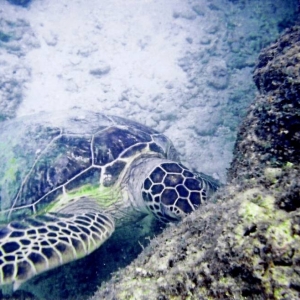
17 36
12 79
23 3
218 76
246 244
100 70
272 126
189 15
51 38
198 9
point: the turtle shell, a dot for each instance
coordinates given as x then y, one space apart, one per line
50 154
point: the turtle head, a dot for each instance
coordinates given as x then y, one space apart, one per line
171 191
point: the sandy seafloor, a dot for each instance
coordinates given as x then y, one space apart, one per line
181 67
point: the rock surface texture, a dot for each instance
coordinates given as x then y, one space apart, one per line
16 40
246 244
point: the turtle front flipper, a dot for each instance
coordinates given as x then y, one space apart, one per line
40 243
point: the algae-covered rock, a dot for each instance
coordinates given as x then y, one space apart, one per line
246 245
272 125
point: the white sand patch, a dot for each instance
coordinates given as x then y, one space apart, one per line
134 39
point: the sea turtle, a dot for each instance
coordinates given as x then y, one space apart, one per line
69 179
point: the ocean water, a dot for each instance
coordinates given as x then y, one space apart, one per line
183 68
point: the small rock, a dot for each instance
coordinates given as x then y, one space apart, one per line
23 3
198 9
189 40
205 40
218 76
51 39
212 29
101 70
189 15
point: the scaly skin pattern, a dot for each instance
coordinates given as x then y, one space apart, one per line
171 191
34 245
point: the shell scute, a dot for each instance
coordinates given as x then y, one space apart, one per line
110 144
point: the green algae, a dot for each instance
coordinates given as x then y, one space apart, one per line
272 174
105 196
12 170
280 233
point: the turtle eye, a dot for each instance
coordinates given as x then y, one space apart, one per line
171 191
